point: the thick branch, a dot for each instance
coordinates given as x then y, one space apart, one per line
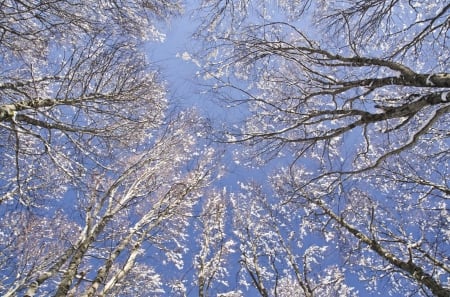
414 271
438 80
319 56
7 111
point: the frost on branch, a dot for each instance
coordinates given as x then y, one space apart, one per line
76 87
353 97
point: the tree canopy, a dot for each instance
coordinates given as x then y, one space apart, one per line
340 183
350 100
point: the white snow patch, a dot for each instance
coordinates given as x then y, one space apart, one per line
428 81
185 56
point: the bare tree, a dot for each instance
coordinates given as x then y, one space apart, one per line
75 87
280 254
354 97
116 230
212 261
98 176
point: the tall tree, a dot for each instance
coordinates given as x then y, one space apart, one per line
354 96
278 252
215 245
98 179
75 87
115 238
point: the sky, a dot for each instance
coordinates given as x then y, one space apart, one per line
185 90
179 74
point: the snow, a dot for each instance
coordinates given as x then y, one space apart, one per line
428 81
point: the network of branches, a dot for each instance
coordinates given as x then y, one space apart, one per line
329 176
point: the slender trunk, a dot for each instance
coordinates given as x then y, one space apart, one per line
69 275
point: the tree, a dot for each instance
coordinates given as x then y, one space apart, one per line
99 177
278 253
353 97
215 245
75 86
105 190
115 237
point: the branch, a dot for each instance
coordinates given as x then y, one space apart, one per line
414 271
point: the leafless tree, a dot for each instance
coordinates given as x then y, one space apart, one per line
98 176
212 261
127 225
75 87
278 252
353 97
